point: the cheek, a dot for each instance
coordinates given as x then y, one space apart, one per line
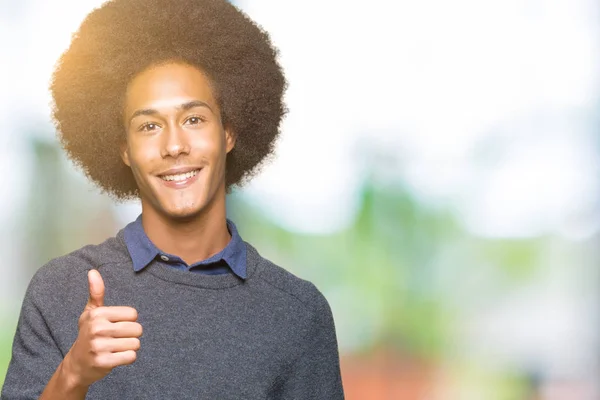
143 157
210 146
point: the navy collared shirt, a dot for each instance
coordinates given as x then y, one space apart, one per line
142 251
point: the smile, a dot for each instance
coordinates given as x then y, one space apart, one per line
180 177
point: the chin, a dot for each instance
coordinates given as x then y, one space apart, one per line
183 214
182 206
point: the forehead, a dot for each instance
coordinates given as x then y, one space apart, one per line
166 85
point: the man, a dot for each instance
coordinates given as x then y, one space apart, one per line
171 102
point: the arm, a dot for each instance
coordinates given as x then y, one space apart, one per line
315 374
35 354
108 337
63 385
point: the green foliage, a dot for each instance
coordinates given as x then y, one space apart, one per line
6 338
518 259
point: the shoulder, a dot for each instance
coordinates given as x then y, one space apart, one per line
69 271
294 288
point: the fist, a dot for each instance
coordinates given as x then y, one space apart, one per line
108 337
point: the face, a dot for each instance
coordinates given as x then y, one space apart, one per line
176 143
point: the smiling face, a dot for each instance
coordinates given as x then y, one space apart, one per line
176 143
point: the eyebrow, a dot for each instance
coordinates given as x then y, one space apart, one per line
183 107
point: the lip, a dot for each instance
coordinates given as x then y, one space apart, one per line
180 184
178 170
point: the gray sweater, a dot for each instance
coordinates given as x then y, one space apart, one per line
271 336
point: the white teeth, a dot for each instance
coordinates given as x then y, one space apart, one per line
179 177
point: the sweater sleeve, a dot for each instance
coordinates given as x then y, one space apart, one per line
315 374
35 354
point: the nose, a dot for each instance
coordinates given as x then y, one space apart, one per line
175 142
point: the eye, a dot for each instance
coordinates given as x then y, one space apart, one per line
148 126
195 120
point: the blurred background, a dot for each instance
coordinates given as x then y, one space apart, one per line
436 178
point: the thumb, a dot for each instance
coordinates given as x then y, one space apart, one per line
96 288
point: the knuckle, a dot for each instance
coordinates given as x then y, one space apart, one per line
95 313
98 361
84 318
95 346
97 329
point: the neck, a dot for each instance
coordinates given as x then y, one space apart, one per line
194 239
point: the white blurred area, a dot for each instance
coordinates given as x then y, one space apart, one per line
429 82
487 107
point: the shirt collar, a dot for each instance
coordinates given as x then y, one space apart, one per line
143 251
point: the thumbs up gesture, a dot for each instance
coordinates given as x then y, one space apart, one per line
108 337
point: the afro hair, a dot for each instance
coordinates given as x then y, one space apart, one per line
124 37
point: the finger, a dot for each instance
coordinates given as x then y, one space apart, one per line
112 360
96 287
115 313
125 330
115 345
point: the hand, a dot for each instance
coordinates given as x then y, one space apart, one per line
108 337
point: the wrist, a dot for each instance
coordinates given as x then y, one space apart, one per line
65 383
70 376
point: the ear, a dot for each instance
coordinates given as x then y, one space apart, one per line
124 151
229 140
